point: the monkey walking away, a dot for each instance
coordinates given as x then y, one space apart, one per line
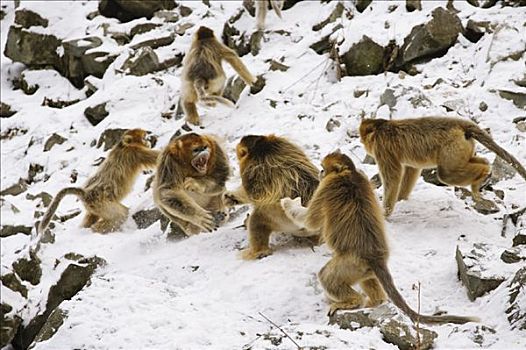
271 168
203 78
103 192
346 210
262 9
190 181
403 147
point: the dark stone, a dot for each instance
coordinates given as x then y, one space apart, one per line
233 38
32 49
11 230
258 85
475 30
361 5
516 310
27 18
53 140
75 277
147 217
45 197
143 61
96 114
185 11
332 124
473 272
16 189
127 10
275 65
233 88
501 170
369 160
155 43
364 58
518 98
12 282
29 269
53 323
143 28
333 16
29 89
431 39
10 324
399 334
6 111
412 5
513 255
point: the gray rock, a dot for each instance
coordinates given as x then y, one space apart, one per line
75 277
431 39
109 138
167 16
234 38
412 5
361 5
486 206
33 172
475 30
514 255
516 310
11 281
45 197
482 3
518 98
185 11
32 49
127 10
28 269
333 16
364 58
143 28
155 43
233 88
16 189
96 114
147 217
332 124
51 326
521 126
53 140
395 329
10 324
143 61
473 270
501 170
24 85
483 106
27 18
275 65
6 111
388 98
11 230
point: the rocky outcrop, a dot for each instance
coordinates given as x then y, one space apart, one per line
476 269
395 328
127 10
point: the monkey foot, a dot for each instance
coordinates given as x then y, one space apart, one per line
343 306
249 254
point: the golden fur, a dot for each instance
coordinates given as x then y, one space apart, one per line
103 192
346 210
203 77
271 168
403 147
190 182
262 9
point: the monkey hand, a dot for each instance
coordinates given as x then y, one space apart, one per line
230 199
294 210
191 185
206 221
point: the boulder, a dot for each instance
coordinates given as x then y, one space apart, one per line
431 39
24 85
143 61
6 111
11 281
96 114
53 140
28 268
74 277
395 328
127 10
11 230
33 49
475 30
27 18
10 324
514 255
364 58
501 170
516 302
476 269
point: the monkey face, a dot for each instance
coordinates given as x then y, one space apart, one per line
200 157
195 149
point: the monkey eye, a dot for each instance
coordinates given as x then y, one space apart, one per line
199 149
322 173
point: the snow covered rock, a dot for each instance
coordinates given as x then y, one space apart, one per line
477 270
127 10
517 300
6 110
10 230
238 37
28 268
32 48
141 62
54 139
27 18
364 58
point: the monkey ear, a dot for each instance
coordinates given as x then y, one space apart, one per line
127 139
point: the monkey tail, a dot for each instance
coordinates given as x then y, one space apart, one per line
219 99
77 191
276 6
385 278
472 130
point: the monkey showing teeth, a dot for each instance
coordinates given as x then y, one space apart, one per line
103 192
345 209
402 148
190 181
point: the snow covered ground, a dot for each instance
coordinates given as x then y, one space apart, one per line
196 293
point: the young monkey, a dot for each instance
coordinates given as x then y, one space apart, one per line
203 78
103 192
345 208
403 147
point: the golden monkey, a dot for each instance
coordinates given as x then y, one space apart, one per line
346 210
190 181
271 168
403 147
262 8
203 78
103 192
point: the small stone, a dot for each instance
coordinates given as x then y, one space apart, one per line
233 88
332 124
369 160
96 114
143 28
6 111
483 106
147 217
11 230
516 310
185 11
16 189
521 126
53 140
513 255
518 98
28 269
143 61
275 65
361 5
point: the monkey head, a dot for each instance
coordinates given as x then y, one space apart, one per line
336 163
204 33
197 150
256 147
137 137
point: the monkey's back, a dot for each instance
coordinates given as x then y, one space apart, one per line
353 219
205 63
